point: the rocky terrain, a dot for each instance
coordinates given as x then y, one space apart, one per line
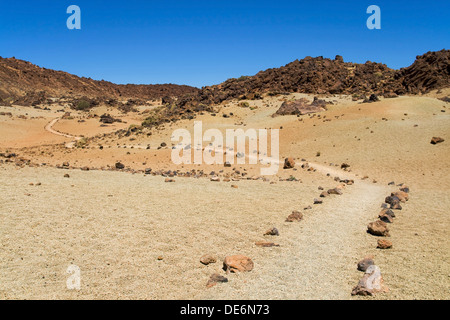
361 191
321 76
24 83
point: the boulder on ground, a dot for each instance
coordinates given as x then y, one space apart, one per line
378 228
401 195
385 218
289 163
370 283
237 263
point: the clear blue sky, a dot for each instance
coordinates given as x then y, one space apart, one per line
206 42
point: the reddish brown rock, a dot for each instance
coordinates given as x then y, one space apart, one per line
378 228
436 140
266 244
384 244
401 195
289 163
238 263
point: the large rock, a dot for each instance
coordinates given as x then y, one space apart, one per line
238 263
301 107
370 283
378 228
289 163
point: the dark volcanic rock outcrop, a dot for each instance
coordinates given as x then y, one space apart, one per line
430 71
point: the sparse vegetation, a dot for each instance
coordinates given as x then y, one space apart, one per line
83 105
82 143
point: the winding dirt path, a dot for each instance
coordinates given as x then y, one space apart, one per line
49 128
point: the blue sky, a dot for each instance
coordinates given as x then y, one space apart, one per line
206 42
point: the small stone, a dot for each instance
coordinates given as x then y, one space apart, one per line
214 279
289 163
119 166
436 140
265 244
272 232
384 244
294 216
365 263
207 259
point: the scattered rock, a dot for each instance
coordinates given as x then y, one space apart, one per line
238 263
370 283
265 244
384 244
436 140
317 201
401 195
119 166
272 232
214 279
385 218
294 216
337 191
378 228
289 163
207 259
365 263
344 166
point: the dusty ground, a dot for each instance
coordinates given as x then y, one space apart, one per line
114 225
